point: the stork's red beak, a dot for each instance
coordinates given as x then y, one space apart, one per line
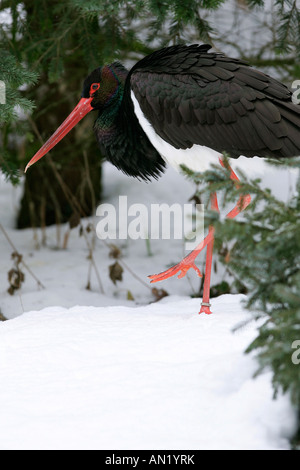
83 107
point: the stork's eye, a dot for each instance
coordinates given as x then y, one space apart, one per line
94 87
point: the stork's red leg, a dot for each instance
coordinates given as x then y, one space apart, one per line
205 305
189 261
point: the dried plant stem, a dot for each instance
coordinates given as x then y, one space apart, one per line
23 262
88 284
122 262
89 181
43 220
93 262
21 302
90 185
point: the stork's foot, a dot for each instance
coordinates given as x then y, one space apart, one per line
186 264
183 267
205 308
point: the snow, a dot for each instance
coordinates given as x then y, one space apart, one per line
85 370
152 377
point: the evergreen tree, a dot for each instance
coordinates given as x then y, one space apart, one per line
13 75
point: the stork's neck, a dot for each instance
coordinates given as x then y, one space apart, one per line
119 134
114 77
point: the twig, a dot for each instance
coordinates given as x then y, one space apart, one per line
91 248
90 185
89 180
23 262
122 262
21 302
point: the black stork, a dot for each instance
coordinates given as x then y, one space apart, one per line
185 105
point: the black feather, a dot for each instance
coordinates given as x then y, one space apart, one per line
229 105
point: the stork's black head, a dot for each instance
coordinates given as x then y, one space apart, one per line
102 90
105 85
119 134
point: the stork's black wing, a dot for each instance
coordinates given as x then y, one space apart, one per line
191 96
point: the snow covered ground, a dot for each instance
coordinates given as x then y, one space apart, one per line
152 377
85 370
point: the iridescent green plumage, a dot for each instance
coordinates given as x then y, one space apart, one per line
119 134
